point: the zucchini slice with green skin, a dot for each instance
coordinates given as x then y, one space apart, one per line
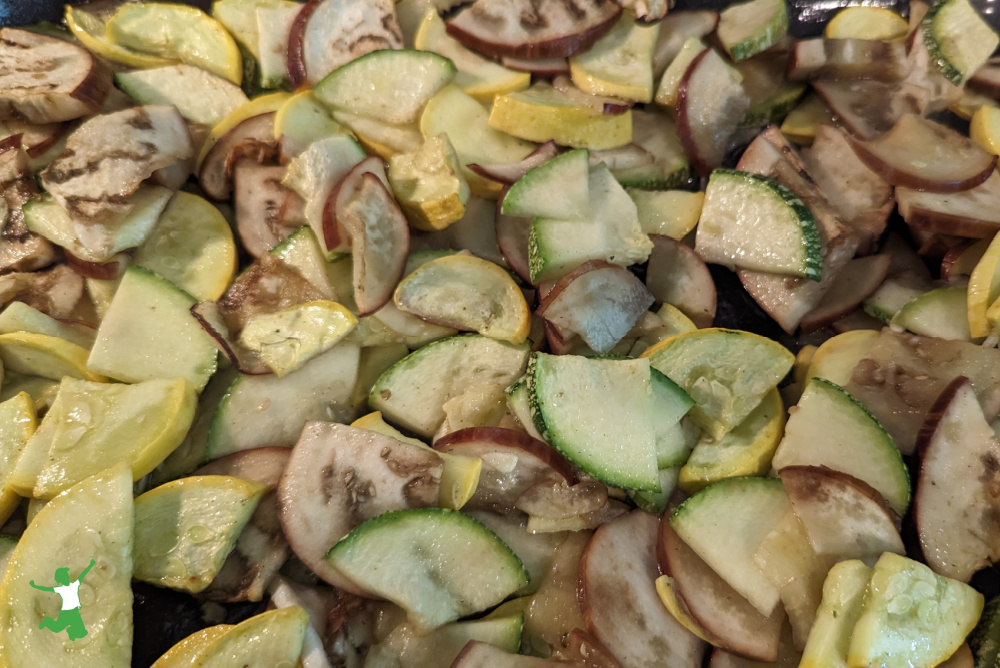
411 392
753 222
831 428
389 85
942 313
557 189
958 40
611 232
748 28
599 414
267 410
725 523
436 564
185 529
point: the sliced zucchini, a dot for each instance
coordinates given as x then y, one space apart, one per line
725 523
894 294
958 40
149 314
273 27
670 83
942 313
753 222
390 85
191 246
831 428
240 18
672 213
428 184
465 121
670 404
599 414
185 529
747 28
436 564
287 339
199 95
657 134
258 411
18 423
611 232
557 189
44 356
411 392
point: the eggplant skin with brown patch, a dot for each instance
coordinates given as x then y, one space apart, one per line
48 80
109 156
532 29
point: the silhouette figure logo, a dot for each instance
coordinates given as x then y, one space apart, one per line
69 615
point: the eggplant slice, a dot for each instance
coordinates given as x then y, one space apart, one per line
46 80
109 156
531 29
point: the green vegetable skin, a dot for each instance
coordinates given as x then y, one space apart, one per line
647 486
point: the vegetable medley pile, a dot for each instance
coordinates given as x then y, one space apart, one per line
398 319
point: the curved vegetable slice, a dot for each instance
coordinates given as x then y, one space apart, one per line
185 529
92 520
380 239
48 80
747 28
406 80
831 428
710 103
619 63
599 301
954 498
599 413
103 423
272 638
411 392
716 608
754 222
466 293
957 38
437 564
330 33
177 32
339 477
921 154
524 29
184 653
92 33
619 601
